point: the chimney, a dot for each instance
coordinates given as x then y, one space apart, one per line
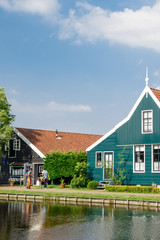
57 137
56 133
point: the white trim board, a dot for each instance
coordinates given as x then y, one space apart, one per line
146 91
28 143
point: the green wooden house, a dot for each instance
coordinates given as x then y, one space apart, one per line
136 138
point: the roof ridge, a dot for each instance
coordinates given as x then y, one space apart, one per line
58 131
155 89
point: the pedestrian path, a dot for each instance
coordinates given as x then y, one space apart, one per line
74 191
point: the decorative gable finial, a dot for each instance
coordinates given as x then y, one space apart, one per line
146 79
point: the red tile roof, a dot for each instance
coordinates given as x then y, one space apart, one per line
46 141
156 93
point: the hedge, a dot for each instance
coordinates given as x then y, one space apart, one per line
62 164
133 189
92 185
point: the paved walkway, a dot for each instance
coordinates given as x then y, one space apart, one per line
68 190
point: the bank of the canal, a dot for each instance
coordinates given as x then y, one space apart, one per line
67 195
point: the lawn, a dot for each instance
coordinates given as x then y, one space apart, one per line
86 193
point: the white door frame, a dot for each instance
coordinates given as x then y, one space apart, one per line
107 152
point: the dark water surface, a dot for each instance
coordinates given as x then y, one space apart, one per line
28 221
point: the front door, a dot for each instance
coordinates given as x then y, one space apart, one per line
108 165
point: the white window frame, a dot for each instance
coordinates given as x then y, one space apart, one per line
40 168
6 147
142 122
138 171
96 165
152 157
112 161
16 144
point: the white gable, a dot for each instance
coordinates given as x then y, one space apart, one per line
146 91
29 143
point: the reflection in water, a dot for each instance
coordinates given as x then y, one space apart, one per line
30 221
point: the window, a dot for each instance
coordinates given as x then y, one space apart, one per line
11 152
108 165
156 157
139 162
40 169
147 121
98 159
17 171
108 159
16 145
13 146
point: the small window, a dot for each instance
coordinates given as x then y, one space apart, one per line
40 168
156 158
98 159
147 121
16 145
11 152
139 161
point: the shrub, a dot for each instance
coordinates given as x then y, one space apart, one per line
62 164
156 190
134 189
80 178
92 185
77 182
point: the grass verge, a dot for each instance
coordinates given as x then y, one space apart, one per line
88 194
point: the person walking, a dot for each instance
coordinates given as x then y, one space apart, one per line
45 175
29 178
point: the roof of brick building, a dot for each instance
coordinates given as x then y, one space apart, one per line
47 141
156 93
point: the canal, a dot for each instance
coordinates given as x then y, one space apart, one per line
39 221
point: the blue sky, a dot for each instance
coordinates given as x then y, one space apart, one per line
77 66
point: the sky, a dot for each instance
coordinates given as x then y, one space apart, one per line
77 66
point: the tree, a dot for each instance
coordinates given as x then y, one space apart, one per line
6 118
62 164
80 178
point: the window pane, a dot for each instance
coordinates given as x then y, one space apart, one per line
108 160
145 115
98 159
139 158
156 158
147 121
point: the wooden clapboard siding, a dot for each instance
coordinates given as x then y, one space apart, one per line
126 135
130 132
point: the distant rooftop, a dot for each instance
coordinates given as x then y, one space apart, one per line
156 93
47 141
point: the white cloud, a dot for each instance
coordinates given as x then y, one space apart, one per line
139 28
135 28
53 106
48 107
41 7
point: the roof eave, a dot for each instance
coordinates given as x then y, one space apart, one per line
146 90
33 147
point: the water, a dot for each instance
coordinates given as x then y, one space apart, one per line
27 221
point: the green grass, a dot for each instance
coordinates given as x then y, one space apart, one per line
89 194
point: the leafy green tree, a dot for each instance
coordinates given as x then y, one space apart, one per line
80 178
6 118
62 164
